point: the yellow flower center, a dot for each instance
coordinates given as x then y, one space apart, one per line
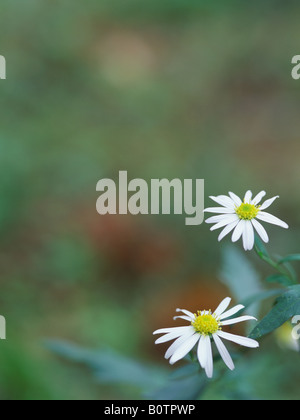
206 324
247 211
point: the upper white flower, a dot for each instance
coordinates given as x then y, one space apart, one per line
203 327
242 217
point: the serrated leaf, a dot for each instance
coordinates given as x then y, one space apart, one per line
286 306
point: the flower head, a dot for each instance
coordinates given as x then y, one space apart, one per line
204 327
242 217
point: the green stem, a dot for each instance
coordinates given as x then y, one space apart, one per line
264 256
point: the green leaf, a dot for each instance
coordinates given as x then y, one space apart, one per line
186 370
259 297
110 367
279 278
238 273
154 382
290 272
188 388
289 258
286 306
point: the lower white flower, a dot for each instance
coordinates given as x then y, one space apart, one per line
205 326
242 217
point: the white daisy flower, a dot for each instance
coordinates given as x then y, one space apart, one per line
242 217
205 326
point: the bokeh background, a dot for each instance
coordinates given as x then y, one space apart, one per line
162 89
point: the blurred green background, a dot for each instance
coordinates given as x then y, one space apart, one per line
161 88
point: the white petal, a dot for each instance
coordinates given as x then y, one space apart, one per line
201 351
237 201
269 218
177 343
185 348
174 334
224 210
238 231
209 367
227 230
232 311
260 230
239 319
223 306
172 329
186 318
257 199
248 197
268 203
229 219
242 341
223 352
248 236
217 219
188 313
224 201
